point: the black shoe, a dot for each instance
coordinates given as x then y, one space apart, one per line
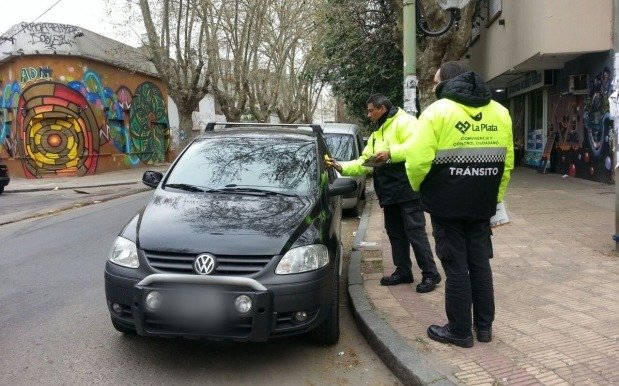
395 279
443 335
484 335
428 283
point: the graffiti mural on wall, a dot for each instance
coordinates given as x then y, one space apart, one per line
582 123
596 116
149 123
8 106
56 131
59 127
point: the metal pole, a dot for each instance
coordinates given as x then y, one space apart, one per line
409 50
615 86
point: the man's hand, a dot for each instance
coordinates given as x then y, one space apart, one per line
382 156
332 163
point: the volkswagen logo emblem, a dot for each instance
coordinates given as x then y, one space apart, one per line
204 264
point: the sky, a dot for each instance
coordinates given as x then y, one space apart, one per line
105 17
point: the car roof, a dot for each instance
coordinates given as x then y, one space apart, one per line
301 132
339 128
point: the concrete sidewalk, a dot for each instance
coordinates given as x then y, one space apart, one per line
556 280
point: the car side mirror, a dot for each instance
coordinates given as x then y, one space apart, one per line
152 178
342 185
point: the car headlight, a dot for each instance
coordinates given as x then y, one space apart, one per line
303 259
124 252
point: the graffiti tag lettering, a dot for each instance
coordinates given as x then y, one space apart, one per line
31 73
51 35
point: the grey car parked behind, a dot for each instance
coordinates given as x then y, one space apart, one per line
345 143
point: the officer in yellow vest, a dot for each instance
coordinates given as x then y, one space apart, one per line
459 158
405 222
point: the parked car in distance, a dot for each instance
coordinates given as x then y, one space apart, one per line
4 177
240 241
345 143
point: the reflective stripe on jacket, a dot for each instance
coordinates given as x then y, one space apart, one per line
460 158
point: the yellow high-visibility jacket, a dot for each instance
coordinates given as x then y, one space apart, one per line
462 152
390 181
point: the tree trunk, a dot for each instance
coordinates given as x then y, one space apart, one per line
436 50
185 129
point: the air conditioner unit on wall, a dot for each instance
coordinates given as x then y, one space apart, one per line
578 84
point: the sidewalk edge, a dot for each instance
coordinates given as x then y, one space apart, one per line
68 187
406 363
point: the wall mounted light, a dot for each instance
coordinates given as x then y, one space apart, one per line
452 6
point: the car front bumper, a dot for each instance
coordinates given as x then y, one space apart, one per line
271 315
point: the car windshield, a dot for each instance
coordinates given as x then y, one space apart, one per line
341 146
273 164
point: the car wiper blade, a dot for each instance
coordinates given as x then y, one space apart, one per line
243 189
187 187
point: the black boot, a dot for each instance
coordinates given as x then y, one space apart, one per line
484 334
443 335
428 283
396 278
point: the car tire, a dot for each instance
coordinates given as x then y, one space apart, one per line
125 330
1 189
358 209
328 332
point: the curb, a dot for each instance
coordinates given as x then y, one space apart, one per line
406 363
41 189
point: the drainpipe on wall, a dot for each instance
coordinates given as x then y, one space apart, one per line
614 112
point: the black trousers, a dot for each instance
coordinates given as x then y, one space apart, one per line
405 224
465 249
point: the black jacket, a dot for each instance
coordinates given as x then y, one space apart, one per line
390 181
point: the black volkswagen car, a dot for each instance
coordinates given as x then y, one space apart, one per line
240 241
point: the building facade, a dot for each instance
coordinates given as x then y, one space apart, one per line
73 102
552 63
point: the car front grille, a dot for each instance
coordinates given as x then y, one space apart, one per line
229 265
234 329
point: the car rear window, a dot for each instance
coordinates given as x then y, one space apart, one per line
287 165
341 146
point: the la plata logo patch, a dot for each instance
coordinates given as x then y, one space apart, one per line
463 126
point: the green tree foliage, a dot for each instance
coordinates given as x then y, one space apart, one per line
359 46
362 47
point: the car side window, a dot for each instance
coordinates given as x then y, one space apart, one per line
322 151
360 142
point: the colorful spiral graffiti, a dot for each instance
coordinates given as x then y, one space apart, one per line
57 131
148 123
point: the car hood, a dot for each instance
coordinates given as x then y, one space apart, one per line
230 224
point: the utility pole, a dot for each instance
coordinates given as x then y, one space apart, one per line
410 51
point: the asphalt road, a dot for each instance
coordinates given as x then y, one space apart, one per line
55 328
19 205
